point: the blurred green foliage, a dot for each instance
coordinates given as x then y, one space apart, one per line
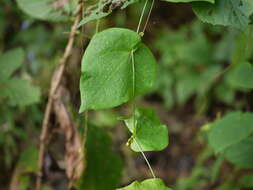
192 66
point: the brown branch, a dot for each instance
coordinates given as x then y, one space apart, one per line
55 81
74 163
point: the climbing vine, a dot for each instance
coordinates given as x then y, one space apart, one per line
117 67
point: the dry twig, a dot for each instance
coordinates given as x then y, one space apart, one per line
73 143
55 81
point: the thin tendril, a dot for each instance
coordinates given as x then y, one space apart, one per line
134 118
133 79
149 13
97 25
142 14
98 20
145 158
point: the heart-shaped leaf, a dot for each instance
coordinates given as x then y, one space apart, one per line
148 133
108 72
148 184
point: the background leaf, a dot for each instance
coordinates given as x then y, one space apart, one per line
241 154
229 130
234 13
104 166
20 92
47 9
241 76
10 61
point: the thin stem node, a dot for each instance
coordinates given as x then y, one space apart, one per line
145 158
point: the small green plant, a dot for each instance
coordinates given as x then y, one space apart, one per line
117 67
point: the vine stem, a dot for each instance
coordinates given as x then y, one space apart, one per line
133 86
134 118
141 18
98 20
145 158
55 81
149 14
97 25
134 81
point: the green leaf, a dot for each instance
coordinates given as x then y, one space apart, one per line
241 154
107 69
104 166
148 184
94 12
103 9
188 1
93 16
10 61
186 87
234 13
241 76
149 133
47 9
231 129
20 92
